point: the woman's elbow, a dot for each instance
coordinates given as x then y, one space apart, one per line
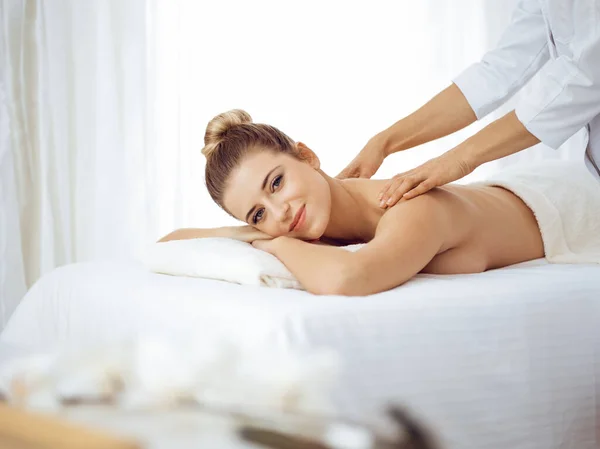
345 280
359 283
174 235
330 287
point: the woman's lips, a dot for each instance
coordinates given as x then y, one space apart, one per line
298 219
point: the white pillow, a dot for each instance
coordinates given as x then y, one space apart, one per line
219 258
223 259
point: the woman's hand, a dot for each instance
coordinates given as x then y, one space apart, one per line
436 172
368 161
266 245
247 233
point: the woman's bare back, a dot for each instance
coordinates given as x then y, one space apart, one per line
491 228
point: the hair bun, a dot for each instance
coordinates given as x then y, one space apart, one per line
219 125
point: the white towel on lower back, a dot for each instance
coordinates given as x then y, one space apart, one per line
565 198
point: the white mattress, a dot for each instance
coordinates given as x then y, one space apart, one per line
502 359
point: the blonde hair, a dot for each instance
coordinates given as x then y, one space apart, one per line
229 137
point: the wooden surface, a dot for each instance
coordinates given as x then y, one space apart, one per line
20 429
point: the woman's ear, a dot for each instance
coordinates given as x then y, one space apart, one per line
308 155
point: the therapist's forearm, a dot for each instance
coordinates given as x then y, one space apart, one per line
501 138
444 114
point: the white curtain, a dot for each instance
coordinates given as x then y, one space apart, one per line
103 105
77 165
13 147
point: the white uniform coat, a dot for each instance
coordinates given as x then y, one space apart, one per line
558 43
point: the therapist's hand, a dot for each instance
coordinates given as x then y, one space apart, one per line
436 172
368 161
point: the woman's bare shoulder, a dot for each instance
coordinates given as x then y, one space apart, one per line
425 207
439 211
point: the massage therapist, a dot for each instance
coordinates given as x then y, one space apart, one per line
556 41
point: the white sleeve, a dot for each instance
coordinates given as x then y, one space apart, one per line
566 94
520 53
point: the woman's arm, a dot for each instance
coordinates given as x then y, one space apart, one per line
408 237
190 233
320 269
244 233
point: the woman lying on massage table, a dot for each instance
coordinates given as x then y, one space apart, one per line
262 177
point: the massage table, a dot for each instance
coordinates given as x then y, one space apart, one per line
508 358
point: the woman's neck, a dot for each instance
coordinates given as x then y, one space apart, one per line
355 212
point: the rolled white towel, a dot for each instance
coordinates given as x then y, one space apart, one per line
565 199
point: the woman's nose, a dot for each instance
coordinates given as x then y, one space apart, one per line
281 211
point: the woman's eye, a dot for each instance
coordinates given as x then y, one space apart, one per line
258 216
277 182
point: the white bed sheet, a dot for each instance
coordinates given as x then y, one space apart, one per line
502 359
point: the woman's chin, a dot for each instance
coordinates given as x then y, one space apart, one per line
313 234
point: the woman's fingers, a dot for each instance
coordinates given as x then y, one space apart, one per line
248 234
265 245
259 235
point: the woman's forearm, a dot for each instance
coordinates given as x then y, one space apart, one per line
444 114
193 233
322 270
244 233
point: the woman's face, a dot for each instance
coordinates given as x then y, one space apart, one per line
280 195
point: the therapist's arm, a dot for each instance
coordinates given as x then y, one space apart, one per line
481 88
478 90
521 52
566 96
447 112
500 138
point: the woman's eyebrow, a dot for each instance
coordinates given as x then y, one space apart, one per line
264 184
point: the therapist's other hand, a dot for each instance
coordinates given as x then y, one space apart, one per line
368 161
436 172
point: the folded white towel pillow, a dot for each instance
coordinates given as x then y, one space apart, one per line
219 258
223 259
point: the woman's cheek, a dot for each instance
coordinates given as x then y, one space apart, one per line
273 231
